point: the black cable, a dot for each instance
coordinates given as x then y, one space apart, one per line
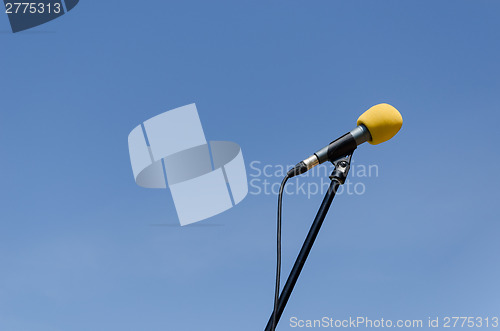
278 252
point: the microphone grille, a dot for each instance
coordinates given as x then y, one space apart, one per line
383 121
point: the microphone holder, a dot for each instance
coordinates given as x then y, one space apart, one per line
338 177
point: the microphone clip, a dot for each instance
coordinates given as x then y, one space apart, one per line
341 169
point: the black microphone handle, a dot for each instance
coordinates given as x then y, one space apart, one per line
340 147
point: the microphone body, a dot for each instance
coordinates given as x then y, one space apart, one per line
342 146
376 125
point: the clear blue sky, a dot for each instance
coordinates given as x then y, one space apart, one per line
82 247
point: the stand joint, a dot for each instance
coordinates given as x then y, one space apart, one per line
341 169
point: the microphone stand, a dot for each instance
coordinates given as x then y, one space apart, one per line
338 176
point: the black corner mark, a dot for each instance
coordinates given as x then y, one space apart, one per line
70 4
26 15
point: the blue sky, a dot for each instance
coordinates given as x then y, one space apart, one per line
82 247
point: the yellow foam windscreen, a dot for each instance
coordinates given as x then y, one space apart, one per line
383 121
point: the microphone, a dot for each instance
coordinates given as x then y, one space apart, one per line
376 125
